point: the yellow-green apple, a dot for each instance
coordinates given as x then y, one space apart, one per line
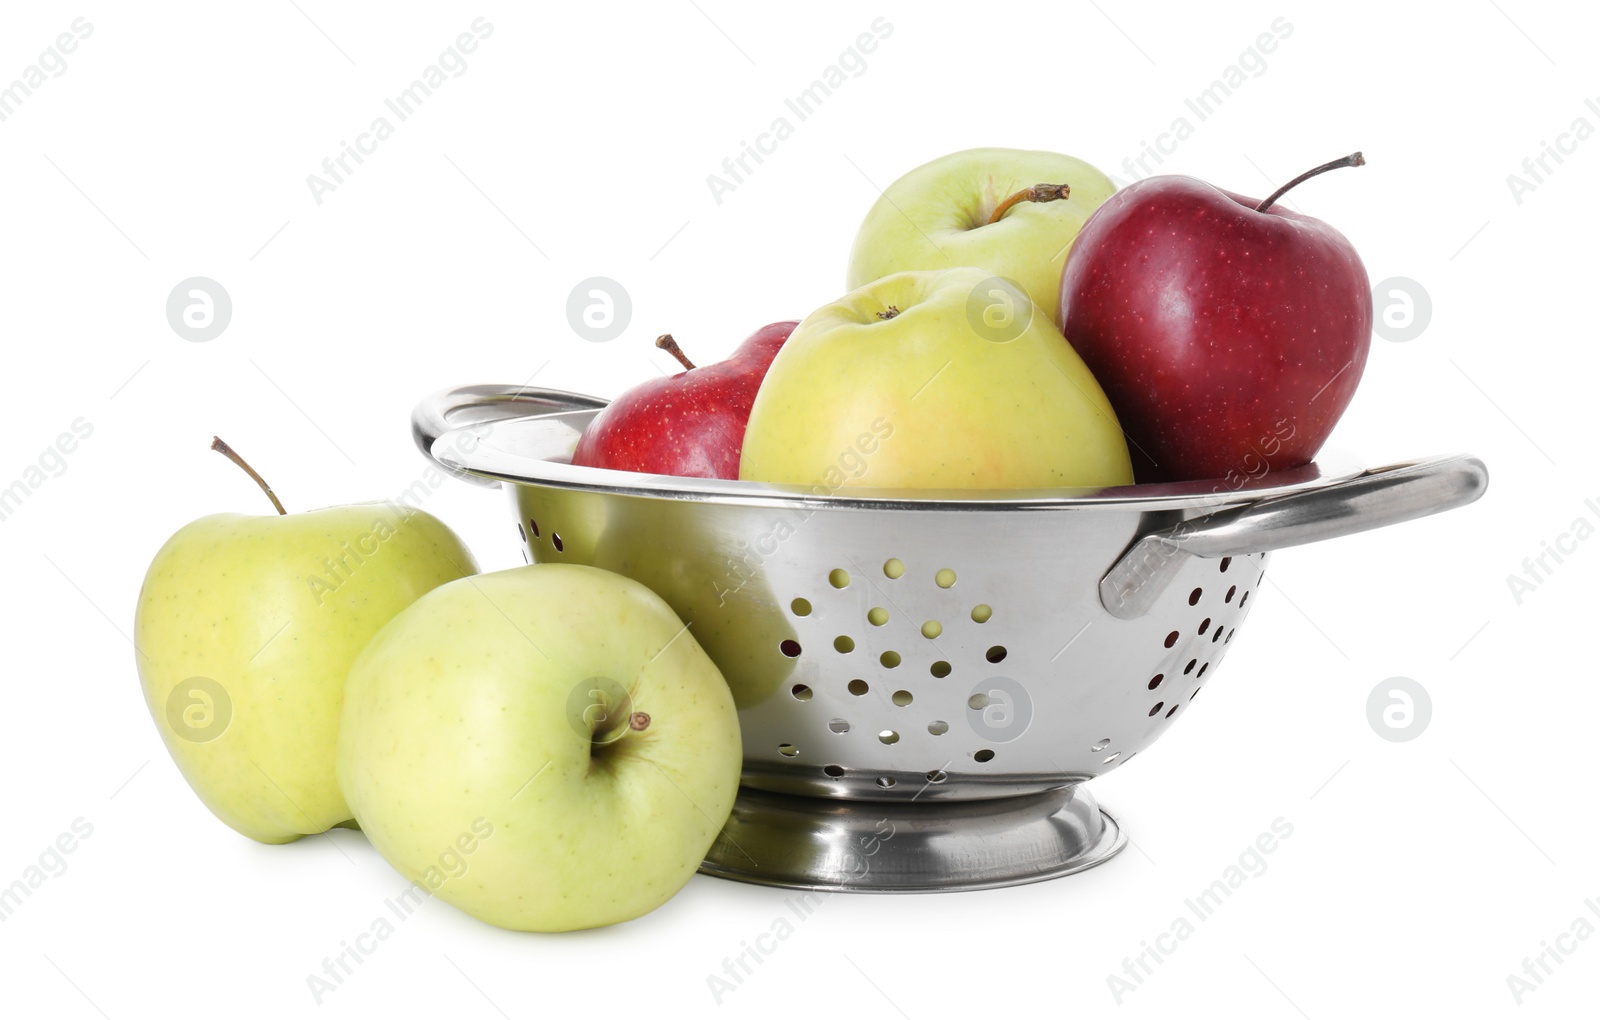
562 707
690 424
935 379
1229 333
954 211
245 628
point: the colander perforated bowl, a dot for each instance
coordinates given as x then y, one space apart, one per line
925 680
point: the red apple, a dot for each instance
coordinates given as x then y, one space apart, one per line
1228 334
690 424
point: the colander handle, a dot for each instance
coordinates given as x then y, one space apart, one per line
459 406
1372 499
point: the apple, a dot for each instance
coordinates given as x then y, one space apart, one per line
690 424
934 379
558 720
980 208
1229 333
245 628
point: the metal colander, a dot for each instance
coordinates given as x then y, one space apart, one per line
931 679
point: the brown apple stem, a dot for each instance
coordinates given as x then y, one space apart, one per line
888 313
1037 193
666 343
227 451
639 721
1354 159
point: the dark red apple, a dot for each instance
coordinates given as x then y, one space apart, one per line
1228 334
690 424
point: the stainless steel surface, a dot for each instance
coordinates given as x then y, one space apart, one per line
1375 499
890 647
848 846
471 408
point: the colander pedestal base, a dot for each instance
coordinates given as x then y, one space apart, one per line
935 846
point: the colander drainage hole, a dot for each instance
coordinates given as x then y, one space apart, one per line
800 607
888 736
1196 691
937 776
520 533
940 669
1228 638
1194 596
1243 599
1190 667
945 578
788 750
1155 682
1234 590
844 644
893 569
801 692
932 629
981 613
938 727
877 616
1226 562
858 687
839 577
1172 711
1113 756
838 726
1205 625
789 647
901 698
555 540
534 526
1171 640
1203 668
886 781
889 659
1101 744
833 771
1218 635
1158 706
996 653
983 755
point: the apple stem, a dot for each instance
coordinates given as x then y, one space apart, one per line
1354 159
1037 193
888 313
639 721
227 451
666 343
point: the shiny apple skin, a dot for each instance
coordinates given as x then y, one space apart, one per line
690 424
1229 341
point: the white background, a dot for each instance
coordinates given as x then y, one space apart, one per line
178 142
